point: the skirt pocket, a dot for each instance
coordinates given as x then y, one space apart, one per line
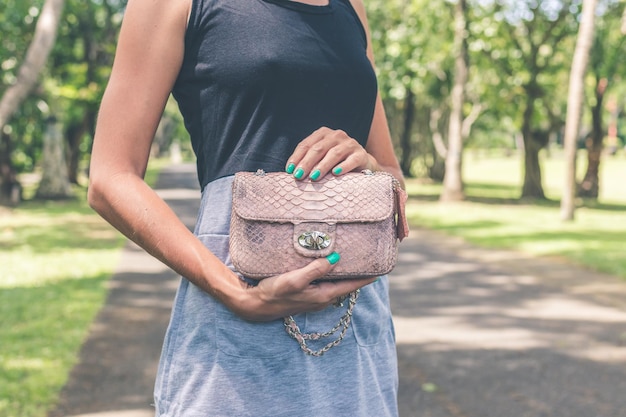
244 339
372 315
237 337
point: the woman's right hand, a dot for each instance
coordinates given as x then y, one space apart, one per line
294 292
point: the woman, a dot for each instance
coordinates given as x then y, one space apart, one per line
271 84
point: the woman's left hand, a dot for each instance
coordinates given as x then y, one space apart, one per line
328 150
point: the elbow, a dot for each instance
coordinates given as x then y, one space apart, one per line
95 195
99 191
107 189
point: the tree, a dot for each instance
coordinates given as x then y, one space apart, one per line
453 180
574 106
54 184
605 64
28 74
522 42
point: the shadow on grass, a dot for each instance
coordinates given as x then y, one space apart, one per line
51 227
42 330
501 194
592 204
538 236
603 252
51 310
65 235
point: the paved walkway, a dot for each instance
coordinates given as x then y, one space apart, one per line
481 333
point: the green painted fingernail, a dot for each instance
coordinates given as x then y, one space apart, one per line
315 174
333 258
299 173
337 170
290 168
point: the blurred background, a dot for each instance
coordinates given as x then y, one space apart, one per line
508 118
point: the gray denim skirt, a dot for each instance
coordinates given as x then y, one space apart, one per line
215 364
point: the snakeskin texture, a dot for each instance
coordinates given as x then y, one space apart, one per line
271 212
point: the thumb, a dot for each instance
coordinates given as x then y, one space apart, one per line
320 267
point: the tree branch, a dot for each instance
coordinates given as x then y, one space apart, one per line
36 57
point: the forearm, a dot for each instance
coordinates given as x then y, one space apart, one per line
132 207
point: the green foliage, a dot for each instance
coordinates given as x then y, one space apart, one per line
525 48
412 41
18 25
75 77
607 54
408 56
517 48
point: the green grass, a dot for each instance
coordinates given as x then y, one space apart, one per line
493 216
55 260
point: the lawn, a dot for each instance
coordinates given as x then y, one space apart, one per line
493 216
55 260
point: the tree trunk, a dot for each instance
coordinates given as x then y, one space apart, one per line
574 106
74 135
453 179
437 169
532 187
406 160
10 188
437 137
36 56
590 185
54 180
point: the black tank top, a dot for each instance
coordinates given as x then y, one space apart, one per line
258 76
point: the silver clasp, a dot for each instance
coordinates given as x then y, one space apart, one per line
314 240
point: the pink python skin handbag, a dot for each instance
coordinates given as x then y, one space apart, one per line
279 224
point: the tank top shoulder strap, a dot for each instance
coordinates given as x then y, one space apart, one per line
201 11
350 8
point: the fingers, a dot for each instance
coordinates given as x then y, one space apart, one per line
326 150
301 290
325 293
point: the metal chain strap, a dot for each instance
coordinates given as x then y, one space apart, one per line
293 330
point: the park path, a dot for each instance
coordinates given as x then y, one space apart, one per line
481 333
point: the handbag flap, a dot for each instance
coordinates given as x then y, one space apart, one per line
278 197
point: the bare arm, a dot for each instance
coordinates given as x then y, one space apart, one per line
149 55
148 59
